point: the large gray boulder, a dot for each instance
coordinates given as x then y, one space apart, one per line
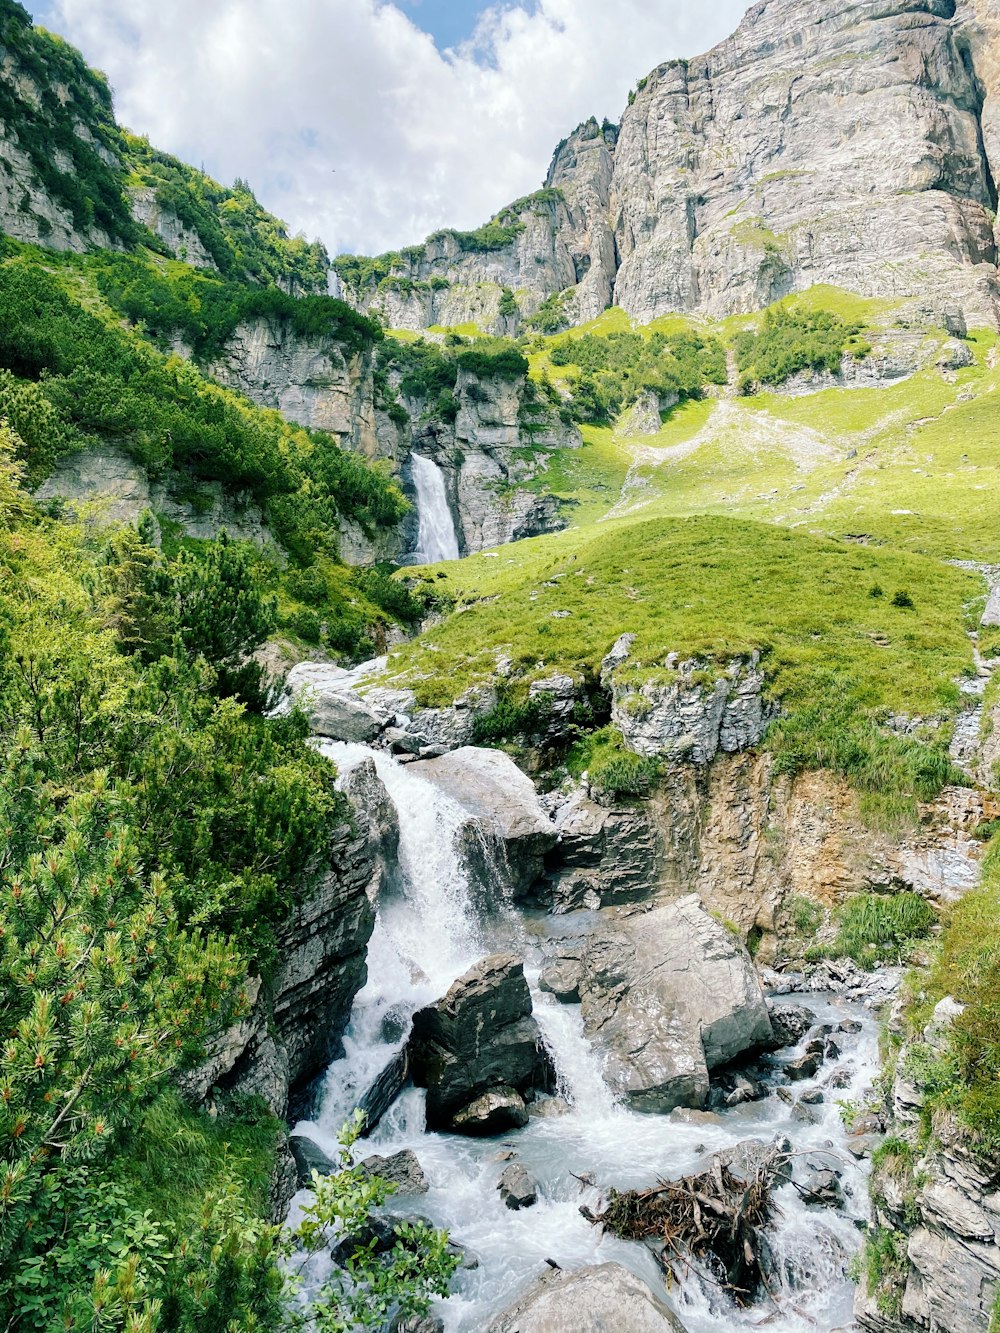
336 711
669 995
479 1052
504 803
605 1298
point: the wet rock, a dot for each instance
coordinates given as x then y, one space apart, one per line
804 1114
479 1052
806 1066
417 1324
831 1051
502 800
823 1188
790 1023
840 1078
384 1091
494 1112
336 710
402 1169
517 1189
309 1157
862 1147
600 1299
786 1095
748 1158
813 1098
380 1233
669 995
549 1108
561 978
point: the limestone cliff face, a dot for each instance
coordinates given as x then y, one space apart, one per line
563 242
308 380
852 142
837 143
753 844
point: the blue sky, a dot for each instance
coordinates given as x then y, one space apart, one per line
448 21
353 124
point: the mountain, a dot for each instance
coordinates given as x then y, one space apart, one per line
854 143
710 421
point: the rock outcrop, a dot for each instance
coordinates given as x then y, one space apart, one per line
694 711
111 487
943 1205
478 1051
504 804
298 1017
591 1300
667 996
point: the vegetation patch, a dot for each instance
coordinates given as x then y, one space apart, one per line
715 588
878 928
791 340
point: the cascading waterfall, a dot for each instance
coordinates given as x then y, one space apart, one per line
436 539
426 936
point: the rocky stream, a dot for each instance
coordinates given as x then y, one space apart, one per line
557 1055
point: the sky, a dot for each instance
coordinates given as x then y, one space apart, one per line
367 123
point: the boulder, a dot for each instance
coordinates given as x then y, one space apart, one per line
669 995
493 1112
309 1157
517 1189
790 1023
402 1169
823 1188
561 977
504 803
480 1039
335 709
599 1299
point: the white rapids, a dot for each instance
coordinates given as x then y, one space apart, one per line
425 937
436 537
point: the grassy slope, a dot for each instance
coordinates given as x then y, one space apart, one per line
757 522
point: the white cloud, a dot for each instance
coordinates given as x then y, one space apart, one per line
347 119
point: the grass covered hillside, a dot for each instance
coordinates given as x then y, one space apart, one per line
805 507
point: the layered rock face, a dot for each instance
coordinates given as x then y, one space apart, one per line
308 380
852 142
563 240
295 1026
945 1204
837 143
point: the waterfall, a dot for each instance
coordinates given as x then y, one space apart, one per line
429 930
436 539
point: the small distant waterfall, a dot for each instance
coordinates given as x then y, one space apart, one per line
436 539
429 931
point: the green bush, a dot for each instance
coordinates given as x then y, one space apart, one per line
610 766
791 340
616 369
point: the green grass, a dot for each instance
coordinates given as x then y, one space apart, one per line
881 928
837 658
180 1154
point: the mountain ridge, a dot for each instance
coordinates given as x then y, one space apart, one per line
746 174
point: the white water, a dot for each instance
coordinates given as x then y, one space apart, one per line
436 539
423 940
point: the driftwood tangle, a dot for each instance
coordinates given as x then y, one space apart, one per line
716 1217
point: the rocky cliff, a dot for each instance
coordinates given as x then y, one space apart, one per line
299 1014
854 142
